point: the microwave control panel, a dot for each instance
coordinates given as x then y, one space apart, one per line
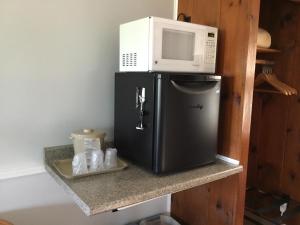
210 50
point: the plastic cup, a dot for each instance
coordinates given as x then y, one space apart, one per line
97 160
110 160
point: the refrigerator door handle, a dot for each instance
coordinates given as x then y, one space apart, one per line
140 101
195 90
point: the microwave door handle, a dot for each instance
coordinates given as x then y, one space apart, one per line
201 89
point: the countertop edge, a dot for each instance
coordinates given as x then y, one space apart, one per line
82 205
168 190
139 198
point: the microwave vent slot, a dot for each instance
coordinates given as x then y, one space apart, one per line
129 59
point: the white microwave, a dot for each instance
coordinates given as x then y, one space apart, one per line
157 44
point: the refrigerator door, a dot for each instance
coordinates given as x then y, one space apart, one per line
134 106
186 122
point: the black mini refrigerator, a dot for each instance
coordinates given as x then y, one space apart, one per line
167 122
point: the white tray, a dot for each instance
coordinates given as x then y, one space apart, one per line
64 167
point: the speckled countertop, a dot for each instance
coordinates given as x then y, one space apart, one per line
105 192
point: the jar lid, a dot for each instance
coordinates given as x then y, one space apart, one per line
87 133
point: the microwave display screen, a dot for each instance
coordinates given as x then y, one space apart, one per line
178 45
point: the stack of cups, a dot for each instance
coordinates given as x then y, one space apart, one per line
94 160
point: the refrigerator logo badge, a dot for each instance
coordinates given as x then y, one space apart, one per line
197 106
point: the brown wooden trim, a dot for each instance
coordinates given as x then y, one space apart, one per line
4 222
253 16
267 50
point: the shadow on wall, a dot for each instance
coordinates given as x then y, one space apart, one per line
38 200
69 214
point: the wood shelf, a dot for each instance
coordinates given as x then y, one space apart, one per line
267 91
264 62
295 1
267 50
260 90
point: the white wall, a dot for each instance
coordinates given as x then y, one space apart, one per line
38 200
57 64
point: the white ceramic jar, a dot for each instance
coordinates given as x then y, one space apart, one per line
80 136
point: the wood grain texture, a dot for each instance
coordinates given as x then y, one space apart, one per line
191 206
238 24
275 162
268 134
290 179
290 24
251 19
202 11
222 208
271 144
254 141
206 205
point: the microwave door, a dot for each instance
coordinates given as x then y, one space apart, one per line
178 45
177 49
191 123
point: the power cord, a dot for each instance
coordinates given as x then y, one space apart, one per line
185 17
